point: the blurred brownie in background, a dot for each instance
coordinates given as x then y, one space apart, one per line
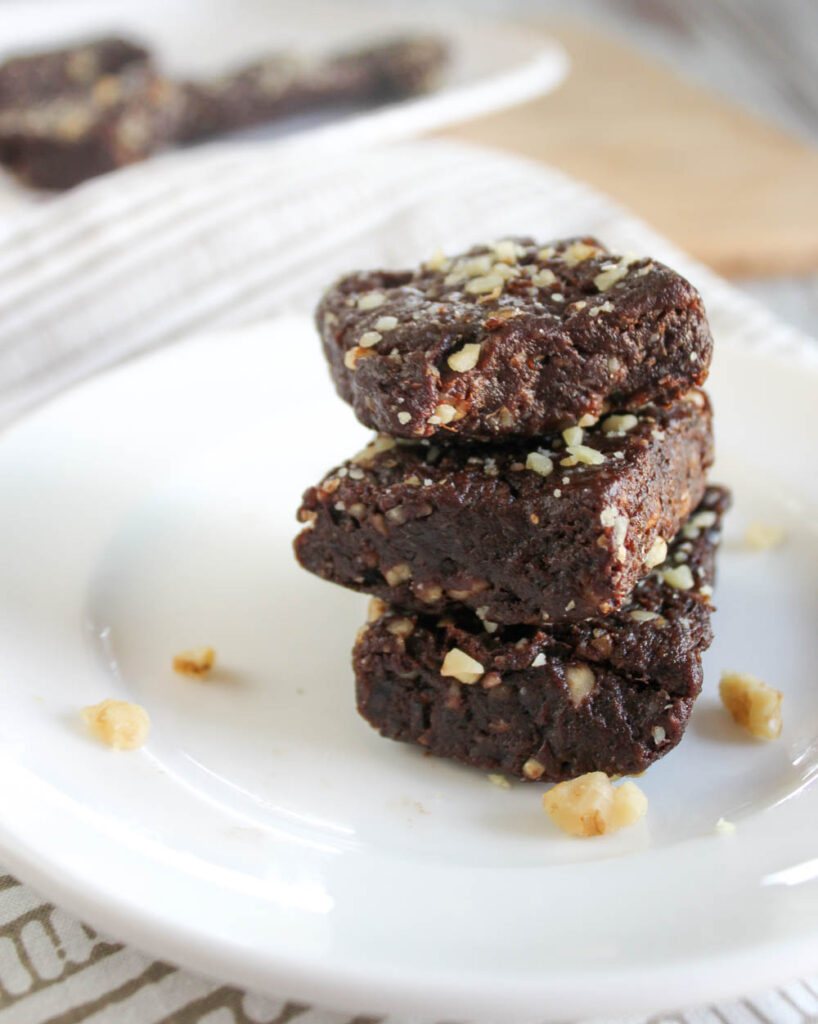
36 77
68 138
286 83
70 114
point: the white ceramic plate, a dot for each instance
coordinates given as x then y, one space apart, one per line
265 834
493 65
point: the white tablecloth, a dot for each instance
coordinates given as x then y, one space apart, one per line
229 235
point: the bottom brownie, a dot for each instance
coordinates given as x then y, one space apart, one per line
609 694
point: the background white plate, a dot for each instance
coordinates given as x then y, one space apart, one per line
492 65
266 834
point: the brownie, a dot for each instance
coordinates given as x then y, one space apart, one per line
30 79
518 532
59 142
512 339
548 703
284 83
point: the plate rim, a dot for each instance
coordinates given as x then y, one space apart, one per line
668 986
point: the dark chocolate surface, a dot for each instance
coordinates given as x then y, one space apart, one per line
429 525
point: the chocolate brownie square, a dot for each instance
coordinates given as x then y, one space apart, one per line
512 339
554 530
285 83
61 141
548 703
32 78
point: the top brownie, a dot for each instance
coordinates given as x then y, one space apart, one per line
512 339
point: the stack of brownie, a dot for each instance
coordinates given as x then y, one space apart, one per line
533 517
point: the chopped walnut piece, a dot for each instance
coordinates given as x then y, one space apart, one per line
591 806
761 536
656 553
619 424
461 666
376 609
429 592
581 681
572 435
370 338
371 300
533 770
500 781
397 574
400 627
679 577
443 413
753 704
608 277
543 278
353 355
438 260
381 443
483 285
588 456
642 615
704 520
196 662
120 724
465 358
539 463
507 251
579 251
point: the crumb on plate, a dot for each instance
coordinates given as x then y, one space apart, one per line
725 827
761 536
590 806
196 662
753 704
120 724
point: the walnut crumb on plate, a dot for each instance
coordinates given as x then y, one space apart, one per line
761 536
753 704
196 662
120 724
590 806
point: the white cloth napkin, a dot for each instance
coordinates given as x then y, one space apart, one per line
224 236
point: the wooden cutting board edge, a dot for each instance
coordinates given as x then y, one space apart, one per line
734 191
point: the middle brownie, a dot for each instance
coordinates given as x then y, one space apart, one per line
518 532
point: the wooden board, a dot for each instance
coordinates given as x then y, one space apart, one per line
738 193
